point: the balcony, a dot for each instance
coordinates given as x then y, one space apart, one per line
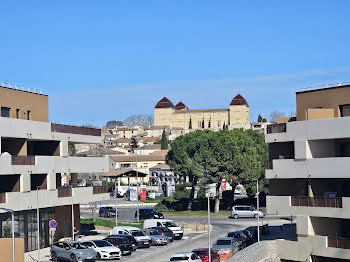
23 160
79 130
100 190
277 128
64 192
338 242
304 201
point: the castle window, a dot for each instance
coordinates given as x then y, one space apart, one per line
199 124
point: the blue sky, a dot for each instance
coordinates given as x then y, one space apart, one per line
104 60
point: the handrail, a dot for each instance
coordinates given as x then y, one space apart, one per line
338 242
23 160
329 202
21 88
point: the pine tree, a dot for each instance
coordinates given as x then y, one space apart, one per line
164 141
203 123
133 143
190 124
260 118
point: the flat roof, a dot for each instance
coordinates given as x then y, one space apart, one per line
23 89
322 88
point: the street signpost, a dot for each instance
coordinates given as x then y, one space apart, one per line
52 225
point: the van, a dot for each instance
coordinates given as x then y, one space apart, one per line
138 234
170 224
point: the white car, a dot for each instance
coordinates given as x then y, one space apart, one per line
245 211
185 257
170 224
104 249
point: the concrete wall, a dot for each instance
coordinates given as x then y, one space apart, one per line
162 116
37 104
6 249
319 113
263 251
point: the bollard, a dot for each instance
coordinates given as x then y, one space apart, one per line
196 227
183 226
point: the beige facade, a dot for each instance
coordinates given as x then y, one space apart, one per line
179 116
24 105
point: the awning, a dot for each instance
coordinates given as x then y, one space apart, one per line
125 172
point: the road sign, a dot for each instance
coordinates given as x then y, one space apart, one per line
52 223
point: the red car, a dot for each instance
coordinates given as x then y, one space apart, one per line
202 253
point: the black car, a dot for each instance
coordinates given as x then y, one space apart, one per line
239 237
165 231
148 213
122 243
132 240
106 212
249 237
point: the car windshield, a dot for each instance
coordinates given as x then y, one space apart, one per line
200 253
155 233
77 245
137 233
170 224
222 242
234 235
179 258
102 243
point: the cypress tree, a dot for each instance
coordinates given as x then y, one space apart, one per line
164 141
209 123
203 122
190 124
224 126
133 143
260 119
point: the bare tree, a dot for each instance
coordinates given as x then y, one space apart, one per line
276 114
93 207
141 119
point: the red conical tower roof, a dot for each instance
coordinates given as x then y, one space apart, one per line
164 103
238 100
180 106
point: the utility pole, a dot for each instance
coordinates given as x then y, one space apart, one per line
72 213
137 194
115 196
38 220
257 206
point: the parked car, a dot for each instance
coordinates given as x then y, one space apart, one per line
106 212
185 257
104 249
138 234
132 240
178 232
122 243
148 213
203 254
72 251
239 237
154 194
165 231
156 237
225 247
245 211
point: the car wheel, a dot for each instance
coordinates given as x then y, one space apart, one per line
98 256
73 258
235 216
54 256
256 216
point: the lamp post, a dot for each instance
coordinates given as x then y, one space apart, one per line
137 194
257 206
73 237
115 196
13 230
207 188
38 219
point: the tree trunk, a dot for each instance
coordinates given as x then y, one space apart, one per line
193 189
93 210
217 198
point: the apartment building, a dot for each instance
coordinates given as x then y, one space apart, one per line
309 175
180 117
34 159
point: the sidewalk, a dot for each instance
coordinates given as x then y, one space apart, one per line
45 252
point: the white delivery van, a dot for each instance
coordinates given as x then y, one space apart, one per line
138 234
170 224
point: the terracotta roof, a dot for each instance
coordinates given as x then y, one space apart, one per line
126 129
180 106
123 140
149 139
164 103
161 166
158 127
150 147
156 156
238 100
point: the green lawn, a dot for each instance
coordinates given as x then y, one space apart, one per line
109 223
202 213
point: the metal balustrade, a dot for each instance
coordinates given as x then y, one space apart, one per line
331 202
79 130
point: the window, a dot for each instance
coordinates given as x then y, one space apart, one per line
17 113
344 110
5 111
219 123
28 115
199 124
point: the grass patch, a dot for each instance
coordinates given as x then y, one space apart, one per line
109 223
156 200
202 213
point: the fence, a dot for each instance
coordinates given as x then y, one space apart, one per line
79 130
332 202
22 160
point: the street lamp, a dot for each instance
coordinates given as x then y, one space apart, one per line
38 219
137 194
115 196
13 230
207 188
72 212
257 206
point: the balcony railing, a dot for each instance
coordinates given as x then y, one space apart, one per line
338 242
100 189
23 160
303 201
64 192
277 128
2 197
79 130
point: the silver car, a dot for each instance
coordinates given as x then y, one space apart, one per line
226 247
156 237
245 211
72 251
